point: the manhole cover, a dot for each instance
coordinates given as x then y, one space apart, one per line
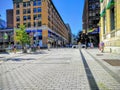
99 54
113 62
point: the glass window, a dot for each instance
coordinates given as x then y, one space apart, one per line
39 9
28 4
28 11
24 17
39 3
39 16
17 12
18 25
24 4
39 23
34 3
35 16
112 16
18 18
17 5
24 11
28 17
35 10
24 24
29 24
34 24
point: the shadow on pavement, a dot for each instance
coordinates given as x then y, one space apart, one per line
20 59
91 79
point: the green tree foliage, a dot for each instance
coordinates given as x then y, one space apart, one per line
21 36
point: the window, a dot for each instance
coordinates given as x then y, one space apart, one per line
39 3
24 11
17 5
28 4
24 18
28 11
39 23
24 4
28 17
34 17
39 16
24 24
29 24
34 24
104 24
34 3
18 18
18 25
112 12
39 9
17 12
35 10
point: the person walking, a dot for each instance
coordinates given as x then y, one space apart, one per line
102 46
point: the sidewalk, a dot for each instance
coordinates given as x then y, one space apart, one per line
111 61
104 67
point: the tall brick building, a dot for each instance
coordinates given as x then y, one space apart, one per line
110 25
42 17
91 17
9 17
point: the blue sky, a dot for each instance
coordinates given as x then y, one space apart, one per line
70 11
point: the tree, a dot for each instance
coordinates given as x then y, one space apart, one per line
22 37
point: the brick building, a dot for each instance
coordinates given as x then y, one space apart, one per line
41 17
9 17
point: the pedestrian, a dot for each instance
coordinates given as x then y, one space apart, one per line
79 44
14 48
102 46
91 45
48 44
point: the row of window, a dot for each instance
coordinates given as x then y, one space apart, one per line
28 24
27 4
28 17
28 11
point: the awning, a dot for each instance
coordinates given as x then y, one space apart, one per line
101 1
94 31
103 13
110 3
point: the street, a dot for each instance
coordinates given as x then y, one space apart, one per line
57 69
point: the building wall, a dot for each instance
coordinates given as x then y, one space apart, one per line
49 18
9 16
111 38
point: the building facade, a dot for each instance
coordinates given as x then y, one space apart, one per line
110 25
2 24
41 17
9 18
91 17
69 34
6 38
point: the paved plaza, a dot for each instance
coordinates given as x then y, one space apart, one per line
57 69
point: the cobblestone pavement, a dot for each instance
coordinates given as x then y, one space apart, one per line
103 79
58 69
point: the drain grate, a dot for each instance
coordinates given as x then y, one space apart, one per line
99 54
113 62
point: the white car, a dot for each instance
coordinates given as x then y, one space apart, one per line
74 46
